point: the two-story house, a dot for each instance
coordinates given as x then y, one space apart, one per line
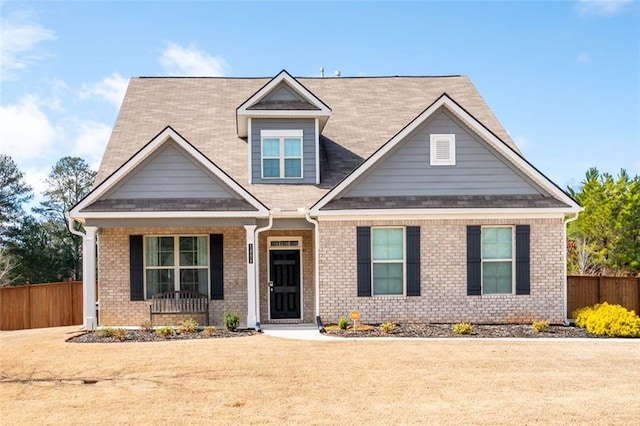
288 199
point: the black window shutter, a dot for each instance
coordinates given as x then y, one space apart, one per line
364 260
216 266
413 260
474 260
136 268
523 283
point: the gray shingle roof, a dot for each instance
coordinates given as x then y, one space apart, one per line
170 204
366 113
443 202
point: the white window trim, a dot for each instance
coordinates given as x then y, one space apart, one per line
176 256
404 262
512 260
433 141
281 135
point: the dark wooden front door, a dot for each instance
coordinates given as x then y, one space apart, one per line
284 283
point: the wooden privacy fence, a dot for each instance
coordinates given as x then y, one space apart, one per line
587 291
41 305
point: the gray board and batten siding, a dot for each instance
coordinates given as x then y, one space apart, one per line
308 127
170 173
478 170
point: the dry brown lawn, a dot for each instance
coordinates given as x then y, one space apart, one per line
262 379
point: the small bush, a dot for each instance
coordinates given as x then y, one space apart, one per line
165 332
343 323
610 320
462 328
120 334
106 332
209 331
540 326
231 321
187 326
146 326
387 327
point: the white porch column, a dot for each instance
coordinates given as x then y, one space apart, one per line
89 277
251 276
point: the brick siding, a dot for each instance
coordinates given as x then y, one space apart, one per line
113 276
443 276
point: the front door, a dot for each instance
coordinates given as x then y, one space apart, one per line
284 284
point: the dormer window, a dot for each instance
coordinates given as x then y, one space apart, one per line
281 154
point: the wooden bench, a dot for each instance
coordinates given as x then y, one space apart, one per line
179 302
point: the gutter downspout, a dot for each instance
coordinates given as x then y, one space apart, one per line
565 318
256 262
316 257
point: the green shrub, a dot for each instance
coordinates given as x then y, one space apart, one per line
610 320
146 326
462 328
343 323
187 326
165 332
209 331
540 326
231 321
387 327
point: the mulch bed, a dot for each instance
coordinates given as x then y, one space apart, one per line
446 330
150 336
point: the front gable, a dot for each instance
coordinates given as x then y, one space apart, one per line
168 177
474 168
170 173
282 97
476 171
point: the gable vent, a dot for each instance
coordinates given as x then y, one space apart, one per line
443 150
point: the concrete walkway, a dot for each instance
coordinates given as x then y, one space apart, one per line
295 331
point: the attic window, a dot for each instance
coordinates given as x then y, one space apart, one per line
443 150
281 153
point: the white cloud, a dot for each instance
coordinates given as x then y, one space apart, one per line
19 41
91 141
111 88
191 61
26 132
601 7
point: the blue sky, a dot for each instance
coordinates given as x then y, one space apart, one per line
563 77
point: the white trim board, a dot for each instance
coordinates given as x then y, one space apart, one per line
447 102
438 214
165 136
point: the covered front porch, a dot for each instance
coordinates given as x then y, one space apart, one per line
261 269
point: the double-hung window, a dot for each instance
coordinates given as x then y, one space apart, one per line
281 154
497 260
176 263
388 259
